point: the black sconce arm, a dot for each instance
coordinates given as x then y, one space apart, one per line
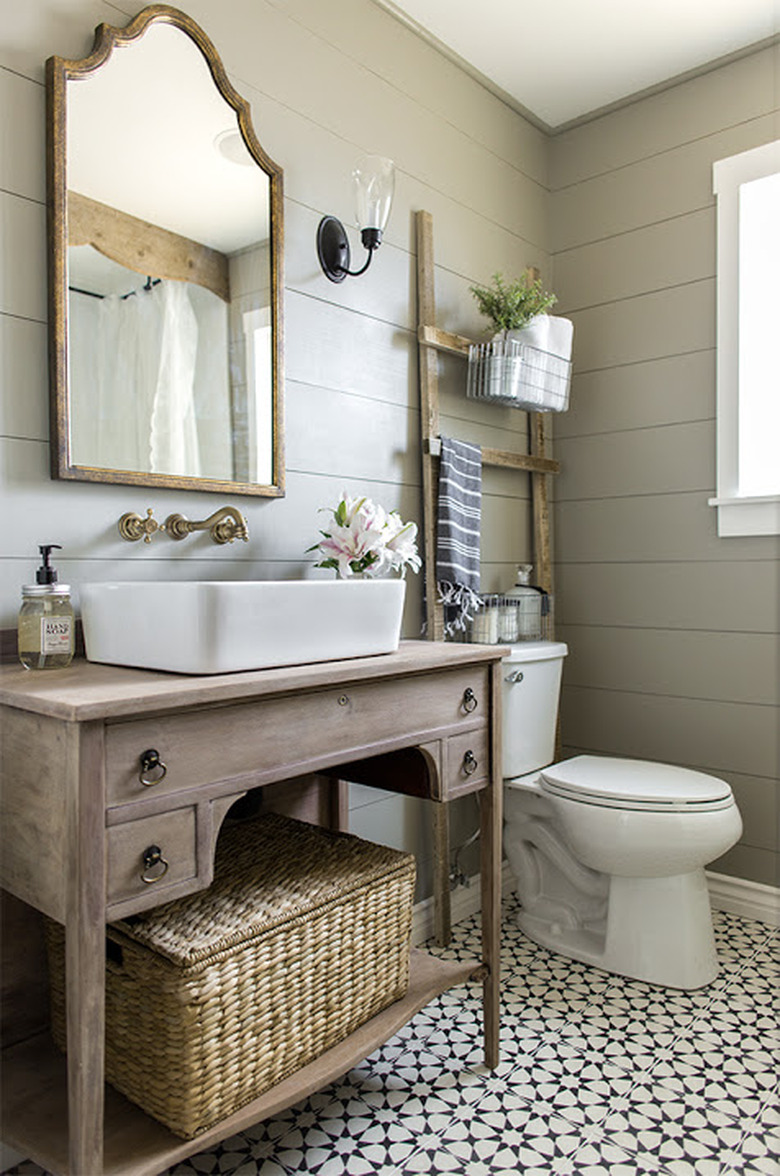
333 249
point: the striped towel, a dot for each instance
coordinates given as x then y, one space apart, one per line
457 532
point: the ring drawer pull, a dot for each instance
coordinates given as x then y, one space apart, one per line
470 763
151 762
153 859
470 700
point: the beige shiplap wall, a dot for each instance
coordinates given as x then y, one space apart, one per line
669 627
326 82
673 631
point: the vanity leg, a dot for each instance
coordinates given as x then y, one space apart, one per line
490 869
85 971
85 953
441 875
491 831
338 804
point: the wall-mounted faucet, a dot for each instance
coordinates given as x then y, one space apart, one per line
224 525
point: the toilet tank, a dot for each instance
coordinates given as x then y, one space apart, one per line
531 687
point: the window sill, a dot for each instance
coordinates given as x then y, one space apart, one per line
747 516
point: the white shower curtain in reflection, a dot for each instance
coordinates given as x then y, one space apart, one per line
173 439
132 361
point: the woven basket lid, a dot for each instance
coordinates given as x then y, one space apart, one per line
267 871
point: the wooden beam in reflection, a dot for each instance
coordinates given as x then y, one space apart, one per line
145 248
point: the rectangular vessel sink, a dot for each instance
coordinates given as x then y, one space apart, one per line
217 627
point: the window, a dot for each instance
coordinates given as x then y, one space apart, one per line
747 188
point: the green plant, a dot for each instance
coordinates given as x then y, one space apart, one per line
512 305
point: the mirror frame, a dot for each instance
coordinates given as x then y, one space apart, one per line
59 71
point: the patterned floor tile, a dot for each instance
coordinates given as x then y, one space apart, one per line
601 1157
634 1048
600 1075
420 1078
760 1145
677 1138
358 1143
505 1132
741 1062
577 1087
756 983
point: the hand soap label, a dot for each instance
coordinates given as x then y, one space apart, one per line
55 635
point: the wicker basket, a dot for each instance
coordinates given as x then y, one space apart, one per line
214 998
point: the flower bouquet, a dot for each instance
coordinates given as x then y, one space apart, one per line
365 540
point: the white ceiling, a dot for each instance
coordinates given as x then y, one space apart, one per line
167 166
561 60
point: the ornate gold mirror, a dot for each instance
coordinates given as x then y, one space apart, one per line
165 267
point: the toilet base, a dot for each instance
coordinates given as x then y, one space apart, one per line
656 929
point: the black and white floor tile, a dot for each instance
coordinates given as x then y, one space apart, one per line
599 1076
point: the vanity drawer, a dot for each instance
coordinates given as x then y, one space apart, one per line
288 735
466 764
173 834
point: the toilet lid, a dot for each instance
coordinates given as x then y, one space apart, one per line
629 783
533 651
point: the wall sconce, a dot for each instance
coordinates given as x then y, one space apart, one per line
374 181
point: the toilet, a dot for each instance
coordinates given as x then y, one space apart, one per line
608 854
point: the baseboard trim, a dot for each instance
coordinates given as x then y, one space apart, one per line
465 901
738 896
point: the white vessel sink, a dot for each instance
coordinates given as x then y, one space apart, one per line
217 627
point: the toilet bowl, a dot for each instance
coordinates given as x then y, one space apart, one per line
608 854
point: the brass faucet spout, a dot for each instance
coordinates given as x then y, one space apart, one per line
224 525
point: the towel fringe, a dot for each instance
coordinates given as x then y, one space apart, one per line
460 598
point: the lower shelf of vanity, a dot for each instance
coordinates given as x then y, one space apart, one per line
34 1095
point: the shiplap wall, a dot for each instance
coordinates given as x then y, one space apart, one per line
669 627
672 631
326 83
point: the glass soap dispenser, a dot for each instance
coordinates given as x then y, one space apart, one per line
46 624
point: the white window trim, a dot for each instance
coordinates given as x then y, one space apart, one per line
737 514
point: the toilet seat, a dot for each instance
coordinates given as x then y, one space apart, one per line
635 785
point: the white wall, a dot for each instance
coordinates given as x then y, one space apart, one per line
326 83
673 631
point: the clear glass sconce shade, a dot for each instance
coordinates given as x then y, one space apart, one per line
374 180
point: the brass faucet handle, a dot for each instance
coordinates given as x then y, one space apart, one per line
132 527
229 529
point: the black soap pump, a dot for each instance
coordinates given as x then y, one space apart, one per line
46 622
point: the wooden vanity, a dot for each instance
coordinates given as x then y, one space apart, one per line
82 803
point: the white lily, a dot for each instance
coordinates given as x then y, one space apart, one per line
363 539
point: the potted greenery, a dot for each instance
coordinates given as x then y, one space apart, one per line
537 378
511 306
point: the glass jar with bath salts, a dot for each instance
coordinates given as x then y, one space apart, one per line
484 626
46 627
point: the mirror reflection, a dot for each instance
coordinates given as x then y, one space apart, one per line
170 327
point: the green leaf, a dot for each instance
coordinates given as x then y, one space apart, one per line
512 306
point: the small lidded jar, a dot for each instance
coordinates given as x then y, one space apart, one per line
527 602
484 627
46 621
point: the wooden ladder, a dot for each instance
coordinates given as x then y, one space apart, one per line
432 340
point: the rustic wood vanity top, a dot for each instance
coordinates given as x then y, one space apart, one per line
80 812
89 691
